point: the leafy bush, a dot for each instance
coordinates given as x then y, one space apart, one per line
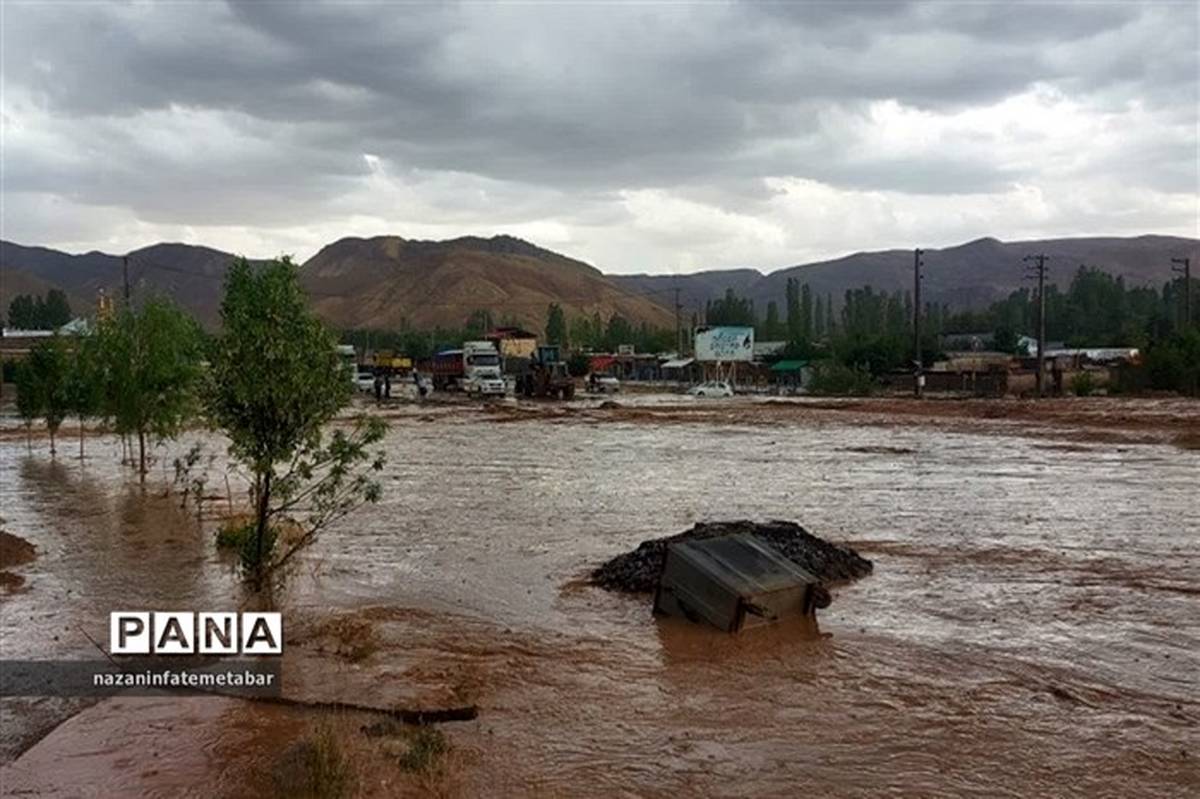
1083 384
832 378
237 535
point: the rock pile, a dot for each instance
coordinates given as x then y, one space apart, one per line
638 571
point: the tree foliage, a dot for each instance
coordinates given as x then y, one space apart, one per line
45 381
730 310
556 325
149 363
35 312
276 383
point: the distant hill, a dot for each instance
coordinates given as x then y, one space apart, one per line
15 282
970 275
191 275
388 282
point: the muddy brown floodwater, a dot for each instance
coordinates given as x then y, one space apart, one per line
1032 627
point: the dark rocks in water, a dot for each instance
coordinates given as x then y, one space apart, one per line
638 571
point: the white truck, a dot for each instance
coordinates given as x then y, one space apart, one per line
481 370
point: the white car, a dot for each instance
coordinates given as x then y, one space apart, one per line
365 381
713 388
607 384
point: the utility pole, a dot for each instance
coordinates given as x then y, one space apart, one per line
678 325
1040 260
125 274
919 367
1186 271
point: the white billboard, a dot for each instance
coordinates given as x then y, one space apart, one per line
725 344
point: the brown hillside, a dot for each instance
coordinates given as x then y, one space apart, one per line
15 282
389 282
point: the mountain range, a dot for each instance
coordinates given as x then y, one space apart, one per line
388 282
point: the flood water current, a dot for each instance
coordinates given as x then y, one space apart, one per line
1032 626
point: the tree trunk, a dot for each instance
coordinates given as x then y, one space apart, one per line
142 453
80 438
264 499
53 451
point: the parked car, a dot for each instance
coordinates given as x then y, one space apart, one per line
713 388
608 384
365 381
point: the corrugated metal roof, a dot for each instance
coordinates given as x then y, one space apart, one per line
788 366
743 563
678 363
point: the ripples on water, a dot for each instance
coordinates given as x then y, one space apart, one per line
1032 626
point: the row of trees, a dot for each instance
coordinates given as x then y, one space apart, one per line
37 312
873 329
136 371
1096 310
263 382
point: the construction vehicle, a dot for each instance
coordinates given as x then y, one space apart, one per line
546 376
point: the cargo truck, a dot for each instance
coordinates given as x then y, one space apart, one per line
481 369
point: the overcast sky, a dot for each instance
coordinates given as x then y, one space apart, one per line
657 137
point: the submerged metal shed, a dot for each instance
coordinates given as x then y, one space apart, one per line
733 582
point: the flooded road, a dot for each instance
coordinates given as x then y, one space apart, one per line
1032 626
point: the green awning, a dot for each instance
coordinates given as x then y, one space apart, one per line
788 366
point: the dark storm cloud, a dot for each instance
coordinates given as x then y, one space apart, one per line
287 98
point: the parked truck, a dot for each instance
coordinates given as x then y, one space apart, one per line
447 370
481 369
546 375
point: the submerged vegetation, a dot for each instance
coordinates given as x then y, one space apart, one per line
271 382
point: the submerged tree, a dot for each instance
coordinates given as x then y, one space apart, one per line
150 361
46 379
29 400
275 384
85 382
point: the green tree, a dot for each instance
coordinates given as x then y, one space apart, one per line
772 327
29 399
49 367
478 323
150 360
57 311
618 332
22 313
792 308
730 310
85 382
275 384
806 313
556 325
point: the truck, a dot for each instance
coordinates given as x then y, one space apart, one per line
481 369
447 370
546 375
